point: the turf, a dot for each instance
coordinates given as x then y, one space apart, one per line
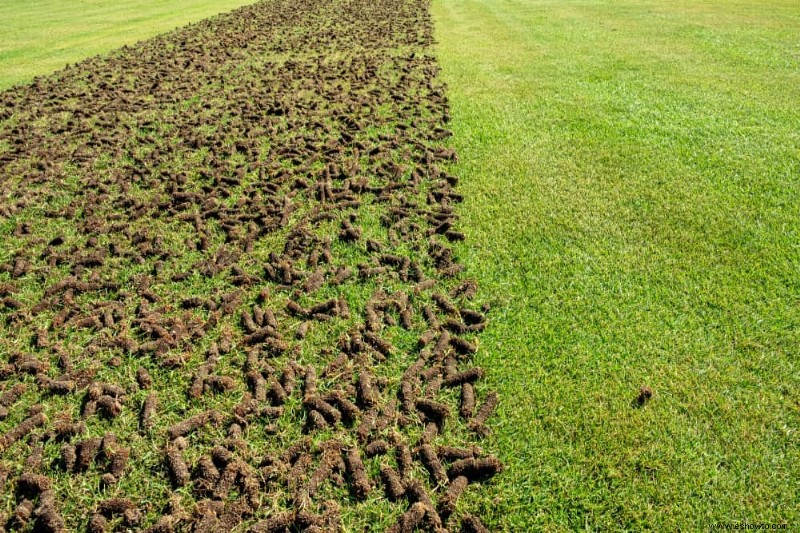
39 37
630 172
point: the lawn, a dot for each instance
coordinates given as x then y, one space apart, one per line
631 173
40 37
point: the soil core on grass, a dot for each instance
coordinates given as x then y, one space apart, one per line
229 299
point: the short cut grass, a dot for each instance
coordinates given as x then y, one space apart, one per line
631 180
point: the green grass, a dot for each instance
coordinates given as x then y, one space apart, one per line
632 180
40 37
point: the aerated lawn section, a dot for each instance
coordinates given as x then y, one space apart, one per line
631 174
229 299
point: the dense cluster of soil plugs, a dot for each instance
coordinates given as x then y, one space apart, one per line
228 294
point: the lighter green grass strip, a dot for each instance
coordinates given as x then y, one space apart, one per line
43 36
